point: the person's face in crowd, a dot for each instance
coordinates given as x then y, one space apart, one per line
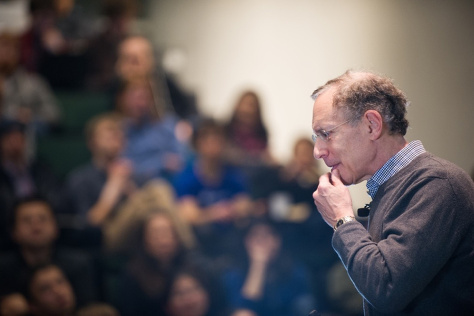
35 226
246 111
51 293
161 240
188 297
347 150
9 55
210 145
304 154
13 146
137 102
135 60
108 138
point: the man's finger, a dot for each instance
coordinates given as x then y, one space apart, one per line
336 177
325 178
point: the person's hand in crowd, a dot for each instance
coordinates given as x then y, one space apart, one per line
118 183
220 212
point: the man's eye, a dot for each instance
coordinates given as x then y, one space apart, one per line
324 135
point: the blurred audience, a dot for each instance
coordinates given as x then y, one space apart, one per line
21 176
165 245
169 206
35 232
211 194
265 280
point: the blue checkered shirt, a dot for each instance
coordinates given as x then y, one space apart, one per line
393 165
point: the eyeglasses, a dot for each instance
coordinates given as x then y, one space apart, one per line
325 134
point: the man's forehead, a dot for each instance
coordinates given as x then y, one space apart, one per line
323 110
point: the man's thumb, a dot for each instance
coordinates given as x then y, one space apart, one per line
335 177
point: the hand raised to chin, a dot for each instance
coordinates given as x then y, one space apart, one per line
332 198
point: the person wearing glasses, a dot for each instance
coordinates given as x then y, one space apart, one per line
417 255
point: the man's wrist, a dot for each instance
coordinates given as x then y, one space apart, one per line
343 220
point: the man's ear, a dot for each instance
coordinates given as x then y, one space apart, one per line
374 123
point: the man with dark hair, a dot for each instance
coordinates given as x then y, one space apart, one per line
417 256
49 292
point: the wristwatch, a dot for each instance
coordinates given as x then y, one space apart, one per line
343 220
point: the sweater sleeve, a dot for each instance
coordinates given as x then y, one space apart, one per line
419 231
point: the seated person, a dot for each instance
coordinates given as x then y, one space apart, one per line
49 292
190 293
247 133
96 189
212 195
265 279
136 62
164 245
34 230
150 132
21 176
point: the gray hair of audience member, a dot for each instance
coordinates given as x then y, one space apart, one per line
357 92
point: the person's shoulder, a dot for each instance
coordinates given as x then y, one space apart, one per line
435 166
454 180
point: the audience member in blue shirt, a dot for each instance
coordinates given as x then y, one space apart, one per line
151 142
212 195
265 279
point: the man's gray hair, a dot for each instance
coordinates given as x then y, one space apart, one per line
356 92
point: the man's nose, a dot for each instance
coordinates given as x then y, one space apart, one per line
320 149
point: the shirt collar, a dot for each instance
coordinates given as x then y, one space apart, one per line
393 165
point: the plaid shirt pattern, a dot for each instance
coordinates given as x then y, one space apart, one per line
393 165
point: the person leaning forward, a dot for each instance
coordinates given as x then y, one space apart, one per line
417 255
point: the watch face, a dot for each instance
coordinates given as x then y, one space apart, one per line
340 222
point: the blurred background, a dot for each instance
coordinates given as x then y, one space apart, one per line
145 132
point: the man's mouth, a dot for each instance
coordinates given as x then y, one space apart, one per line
334 167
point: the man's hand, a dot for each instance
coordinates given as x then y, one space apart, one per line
332 198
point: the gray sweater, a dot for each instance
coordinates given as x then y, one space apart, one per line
417 257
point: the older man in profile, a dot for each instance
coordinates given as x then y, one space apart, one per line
417 255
